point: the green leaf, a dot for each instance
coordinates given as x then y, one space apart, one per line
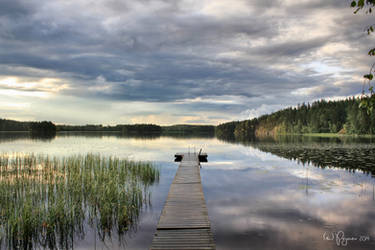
370 29
353 4
361 3
363 103
368 76
370 108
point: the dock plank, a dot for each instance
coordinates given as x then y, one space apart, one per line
184 222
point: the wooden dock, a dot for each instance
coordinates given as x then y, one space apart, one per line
184 222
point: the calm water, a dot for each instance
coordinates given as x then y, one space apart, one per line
292 194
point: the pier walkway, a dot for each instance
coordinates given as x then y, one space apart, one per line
184 222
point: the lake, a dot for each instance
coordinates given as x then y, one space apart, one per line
283 193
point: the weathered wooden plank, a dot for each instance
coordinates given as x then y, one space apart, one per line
184 239
184 222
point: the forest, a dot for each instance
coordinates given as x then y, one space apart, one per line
144 129
46 128
43 128
343 117
193 130
124 129
10 125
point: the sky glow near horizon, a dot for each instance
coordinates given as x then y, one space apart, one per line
171 62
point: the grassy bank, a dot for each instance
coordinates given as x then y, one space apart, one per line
48 201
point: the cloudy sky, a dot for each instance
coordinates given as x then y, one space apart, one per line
181 61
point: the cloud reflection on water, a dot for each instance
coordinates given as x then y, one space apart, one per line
266 202
255 200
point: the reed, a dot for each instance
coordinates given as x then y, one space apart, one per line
48 201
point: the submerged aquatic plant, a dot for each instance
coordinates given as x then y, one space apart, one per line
48 201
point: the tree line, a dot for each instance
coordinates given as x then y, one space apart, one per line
343 116
36 128
44 128
125 129
144 129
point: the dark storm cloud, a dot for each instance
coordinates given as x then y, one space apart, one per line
168 51
292 48
15 8
308 6
201 106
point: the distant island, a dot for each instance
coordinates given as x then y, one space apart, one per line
334 117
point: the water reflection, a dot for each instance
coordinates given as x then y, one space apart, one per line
275 203
148 136
350 153
12 136
267 194
302 139
350 157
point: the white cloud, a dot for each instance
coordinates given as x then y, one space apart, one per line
261 110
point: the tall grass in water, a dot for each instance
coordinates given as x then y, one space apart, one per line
47 202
